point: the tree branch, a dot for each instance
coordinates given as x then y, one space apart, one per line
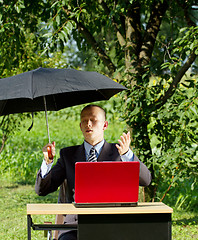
163 99
133 29
120 37
158 10
4 138
185 7
91 41
133 35
100 52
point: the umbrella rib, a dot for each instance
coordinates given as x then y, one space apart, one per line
55 102
97 90
3 106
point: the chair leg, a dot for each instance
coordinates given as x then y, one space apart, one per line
49 235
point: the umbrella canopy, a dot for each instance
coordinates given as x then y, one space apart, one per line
52 89
61 88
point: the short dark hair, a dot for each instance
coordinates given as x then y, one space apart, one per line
93 105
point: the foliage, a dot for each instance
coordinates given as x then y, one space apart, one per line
17 19
132 41
182 195
173 135
8 125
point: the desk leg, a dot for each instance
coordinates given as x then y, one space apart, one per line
29 224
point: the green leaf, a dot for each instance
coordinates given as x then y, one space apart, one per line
183 29
69 25
193 109
58 20
55 3
61 36
47 35
135 111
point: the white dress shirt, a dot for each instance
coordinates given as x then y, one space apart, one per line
127 157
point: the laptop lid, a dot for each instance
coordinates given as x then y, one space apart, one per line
106 182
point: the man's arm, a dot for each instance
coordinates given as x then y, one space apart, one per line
51 180
144 176
45 168
48 179
42 185
127 155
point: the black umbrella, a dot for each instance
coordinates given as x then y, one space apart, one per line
50 89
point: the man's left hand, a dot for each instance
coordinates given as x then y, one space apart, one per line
124 142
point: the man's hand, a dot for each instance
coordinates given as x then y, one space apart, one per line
49 152
124 143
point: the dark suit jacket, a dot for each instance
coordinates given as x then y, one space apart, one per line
65 169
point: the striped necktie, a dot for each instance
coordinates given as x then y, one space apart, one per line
92 155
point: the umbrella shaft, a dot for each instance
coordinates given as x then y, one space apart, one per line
45 104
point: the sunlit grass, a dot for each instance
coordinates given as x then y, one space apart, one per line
14 198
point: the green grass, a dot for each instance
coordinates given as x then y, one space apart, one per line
14 198
185 225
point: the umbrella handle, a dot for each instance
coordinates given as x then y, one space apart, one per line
45 105
49 151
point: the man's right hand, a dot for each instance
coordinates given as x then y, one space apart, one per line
47 157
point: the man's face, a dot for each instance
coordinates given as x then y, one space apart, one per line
93 125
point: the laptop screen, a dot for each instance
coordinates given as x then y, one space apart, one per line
106 182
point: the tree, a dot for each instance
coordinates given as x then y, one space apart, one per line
137 42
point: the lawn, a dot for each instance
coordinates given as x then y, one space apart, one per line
13 200
14 197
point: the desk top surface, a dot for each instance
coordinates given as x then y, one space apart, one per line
142 208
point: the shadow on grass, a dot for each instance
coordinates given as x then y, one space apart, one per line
9 187
50 198
186 221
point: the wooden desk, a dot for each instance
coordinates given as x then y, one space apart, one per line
146 221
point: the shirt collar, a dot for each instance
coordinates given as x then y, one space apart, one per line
98 147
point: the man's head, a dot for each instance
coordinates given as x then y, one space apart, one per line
93 123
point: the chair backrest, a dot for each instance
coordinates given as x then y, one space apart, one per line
62 192
61 199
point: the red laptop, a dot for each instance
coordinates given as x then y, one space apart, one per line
106 184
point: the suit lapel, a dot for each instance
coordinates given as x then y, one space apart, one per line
106 153
79 155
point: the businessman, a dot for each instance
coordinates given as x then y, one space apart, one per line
93 123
